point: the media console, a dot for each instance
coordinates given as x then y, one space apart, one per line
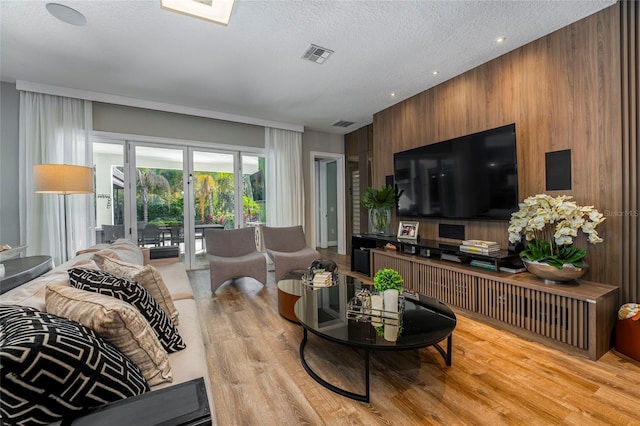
577 317
361 244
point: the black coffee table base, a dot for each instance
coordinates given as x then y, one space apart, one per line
361 397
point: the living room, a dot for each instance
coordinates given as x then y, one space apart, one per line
569 90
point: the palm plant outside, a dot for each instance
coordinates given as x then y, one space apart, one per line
149 181
205 188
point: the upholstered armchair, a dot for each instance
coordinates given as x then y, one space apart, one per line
232 254
287 247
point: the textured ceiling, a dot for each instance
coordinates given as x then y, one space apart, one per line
253 68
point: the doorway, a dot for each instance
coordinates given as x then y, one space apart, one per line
328 203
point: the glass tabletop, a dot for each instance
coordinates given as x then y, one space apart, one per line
323 311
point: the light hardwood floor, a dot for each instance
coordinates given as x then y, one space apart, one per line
496 378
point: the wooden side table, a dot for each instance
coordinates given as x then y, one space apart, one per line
289 291
19 270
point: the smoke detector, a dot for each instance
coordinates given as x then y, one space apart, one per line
317 54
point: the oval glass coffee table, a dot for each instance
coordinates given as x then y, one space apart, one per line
323 312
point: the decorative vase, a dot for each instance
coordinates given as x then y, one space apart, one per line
377 305
391 305
552 275
379 221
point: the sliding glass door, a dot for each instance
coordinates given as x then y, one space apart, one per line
166 196
213 186
156 205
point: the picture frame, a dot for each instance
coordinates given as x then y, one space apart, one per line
408 230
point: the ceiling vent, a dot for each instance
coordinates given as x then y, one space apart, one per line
317 54
343 123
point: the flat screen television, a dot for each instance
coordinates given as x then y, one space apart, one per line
470 177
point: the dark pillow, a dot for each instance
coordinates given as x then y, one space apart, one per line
53 368
129 291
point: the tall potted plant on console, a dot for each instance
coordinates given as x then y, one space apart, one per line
379 202
549 225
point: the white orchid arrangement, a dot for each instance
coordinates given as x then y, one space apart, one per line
550 224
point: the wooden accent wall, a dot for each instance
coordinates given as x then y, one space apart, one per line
630 76
358 147
563 92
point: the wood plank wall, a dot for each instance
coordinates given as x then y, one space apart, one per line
630 75
563 92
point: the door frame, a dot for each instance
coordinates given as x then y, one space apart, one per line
340 192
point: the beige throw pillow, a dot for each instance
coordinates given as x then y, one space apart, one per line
125 250
147 277
117 322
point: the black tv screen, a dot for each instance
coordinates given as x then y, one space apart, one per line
470 177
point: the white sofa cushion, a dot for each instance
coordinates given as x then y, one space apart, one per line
32 293
190 363
176 275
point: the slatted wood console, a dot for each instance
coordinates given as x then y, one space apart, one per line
578 317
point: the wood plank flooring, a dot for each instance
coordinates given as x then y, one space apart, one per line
496 378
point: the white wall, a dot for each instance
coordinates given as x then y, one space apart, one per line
138 121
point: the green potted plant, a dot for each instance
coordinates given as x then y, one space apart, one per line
388 282
387 279
379 202
549 225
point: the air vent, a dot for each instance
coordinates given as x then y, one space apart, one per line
343 123
317 54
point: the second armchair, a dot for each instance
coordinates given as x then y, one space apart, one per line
288 249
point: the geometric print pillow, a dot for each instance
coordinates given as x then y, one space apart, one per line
146 276
52 368
129 291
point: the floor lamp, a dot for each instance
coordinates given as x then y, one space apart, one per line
63 179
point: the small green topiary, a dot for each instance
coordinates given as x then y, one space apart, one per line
386 279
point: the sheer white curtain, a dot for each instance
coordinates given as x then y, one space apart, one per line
53 130
284 180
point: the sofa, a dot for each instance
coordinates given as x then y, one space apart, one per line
53 293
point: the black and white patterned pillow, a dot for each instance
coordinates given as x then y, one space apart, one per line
53 368
129 291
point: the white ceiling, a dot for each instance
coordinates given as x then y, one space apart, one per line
253 68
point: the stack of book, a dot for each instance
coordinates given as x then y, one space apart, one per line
479 247
483 264
323 279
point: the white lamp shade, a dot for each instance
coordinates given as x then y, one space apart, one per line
63 179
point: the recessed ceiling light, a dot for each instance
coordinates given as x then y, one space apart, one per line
392 94
66 14
500 40
436 72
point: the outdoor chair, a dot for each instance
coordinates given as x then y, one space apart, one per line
110 233
287 247
232 254
151 235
